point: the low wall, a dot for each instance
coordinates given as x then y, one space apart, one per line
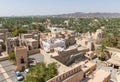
67 76
3 57
75 78
43 52
68 52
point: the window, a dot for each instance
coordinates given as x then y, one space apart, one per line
29 47
11 46
86 42
22 60
63 76
35 47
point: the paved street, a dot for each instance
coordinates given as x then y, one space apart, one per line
7 73
38 57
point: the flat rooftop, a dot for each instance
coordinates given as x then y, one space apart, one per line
64 50
1 40
27 35
100 76
20 47
1 33
53 40
12 38
113 61
70 48
86 65
82 48
31 40
75 46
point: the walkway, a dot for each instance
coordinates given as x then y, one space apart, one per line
2 70
7 73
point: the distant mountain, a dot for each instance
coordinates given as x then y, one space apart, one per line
89 15
78 15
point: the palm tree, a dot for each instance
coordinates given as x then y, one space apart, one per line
102 52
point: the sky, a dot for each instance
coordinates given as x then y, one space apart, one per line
53 7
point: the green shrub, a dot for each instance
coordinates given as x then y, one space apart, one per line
12 56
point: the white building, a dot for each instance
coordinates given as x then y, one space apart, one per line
52 43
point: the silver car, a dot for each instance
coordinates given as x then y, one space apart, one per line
19 76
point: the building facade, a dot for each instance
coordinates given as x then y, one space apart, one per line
21 58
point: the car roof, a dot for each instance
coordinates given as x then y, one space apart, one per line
17 72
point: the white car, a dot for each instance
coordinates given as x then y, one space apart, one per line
19 76
26 71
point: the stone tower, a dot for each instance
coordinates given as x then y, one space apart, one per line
21 58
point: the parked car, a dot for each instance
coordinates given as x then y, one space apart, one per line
26 71
19 76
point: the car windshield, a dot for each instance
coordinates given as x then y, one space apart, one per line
18 74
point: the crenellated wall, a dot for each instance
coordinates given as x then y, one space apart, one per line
69 76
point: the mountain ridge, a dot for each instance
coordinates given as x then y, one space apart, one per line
78 15
89 15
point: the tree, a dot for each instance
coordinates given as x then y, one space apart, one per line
18 31
12 56
41 72
41 28
111 37
52 71
102 53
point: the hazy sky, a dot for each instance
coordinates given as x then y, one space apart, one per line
48 7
